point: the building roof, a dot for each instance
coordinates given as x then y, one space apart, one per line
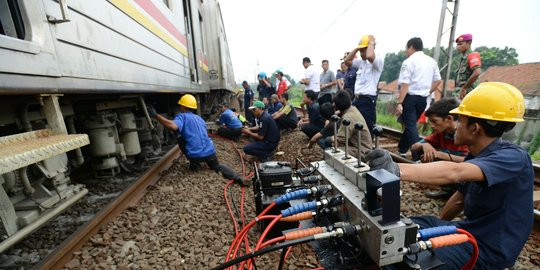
526 77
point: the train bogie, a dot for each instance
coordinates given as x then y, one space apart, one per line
80 73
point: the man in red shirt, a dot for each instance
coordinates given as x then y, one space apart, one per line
440 144
283 84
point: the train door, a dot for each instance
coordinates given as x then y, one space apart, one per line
191 38
25 39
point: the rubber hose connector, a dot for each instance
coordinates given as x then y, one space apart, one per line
425 234
298 194
303 233
299 208
448 240
298 217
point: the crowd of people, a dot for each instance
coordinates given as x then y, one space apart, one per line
490 180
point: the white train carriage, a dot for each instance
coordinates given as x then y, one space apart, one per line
76 73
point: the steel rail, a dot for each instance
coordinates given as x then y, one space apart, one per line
64 253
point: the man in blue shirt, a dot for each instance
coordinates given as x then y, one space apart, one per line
248 101
231 126
496 179
265 88
266 134
193 139
314 122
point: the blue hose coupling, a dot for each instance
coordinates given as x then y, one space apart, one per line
428 233
299 208
298 194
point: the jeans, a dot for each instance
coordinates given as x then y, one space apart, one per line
261 150
285 122
454 256
230 133
323 98
250 117
325 142
366 105
212 161
310 130
413 106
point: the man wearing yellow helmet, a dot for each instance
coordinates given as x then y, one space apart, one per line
495 180
369 69
193 138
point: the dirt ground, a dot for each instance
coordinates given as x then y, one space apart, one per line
183 222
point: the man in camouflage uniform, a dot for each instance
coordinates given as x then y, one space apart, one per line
470 66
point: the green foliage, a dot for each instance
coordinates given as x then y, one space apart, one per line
491 56
535 143
388 120
296 94
392 65
536 156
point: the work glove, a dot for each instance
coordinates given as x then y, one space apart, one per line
381 159
151 111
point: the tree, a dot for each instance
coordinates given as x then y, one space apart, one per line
491 56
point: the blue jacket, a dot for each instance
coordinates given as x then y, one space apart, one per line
229 119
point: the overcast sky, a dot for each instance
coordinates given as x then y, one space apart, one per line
269 35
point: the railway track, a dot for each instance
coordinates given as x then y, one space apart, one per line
61 255
129 198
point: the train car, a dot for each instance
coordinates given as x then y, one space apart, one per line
75 78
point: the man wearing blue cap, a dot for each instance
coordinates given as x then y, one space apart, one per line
470 66
264 88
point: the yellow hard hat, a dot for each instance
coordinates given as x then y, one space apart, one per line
493 101
188 101
364 42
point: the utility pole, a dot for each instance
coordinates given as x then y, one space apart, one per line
451 7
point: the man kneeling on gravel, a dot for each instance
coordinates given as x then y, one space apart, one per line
193 139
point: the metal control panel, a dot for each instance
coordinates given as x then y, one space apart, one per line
382 236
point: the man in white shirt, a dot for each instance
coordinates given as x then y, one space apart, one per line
418 78
310 80
369 69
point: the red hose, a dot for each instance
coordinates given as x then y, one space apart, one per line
235 223
474 256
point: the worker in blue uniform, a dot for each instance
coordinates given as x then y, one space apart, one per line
193 139
495 181
231 127
266 134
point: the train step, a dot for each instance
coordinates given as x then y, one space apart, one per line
20 150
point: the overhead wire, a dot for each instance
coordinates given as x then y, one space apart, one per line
294 59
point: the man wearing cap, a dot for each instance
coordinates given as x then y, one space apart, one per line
470 66
231 127
496 180
266 134
369 70
193 139
264 88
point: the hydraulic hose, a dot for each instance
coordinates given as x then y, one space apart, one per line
263 251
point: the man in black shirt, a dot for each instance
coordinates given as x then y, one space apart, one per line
266 134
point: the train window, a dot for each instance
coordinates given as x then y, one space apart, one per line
11 22
203 33
166 3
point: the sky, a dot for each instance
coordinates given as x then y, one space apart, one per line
269 35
